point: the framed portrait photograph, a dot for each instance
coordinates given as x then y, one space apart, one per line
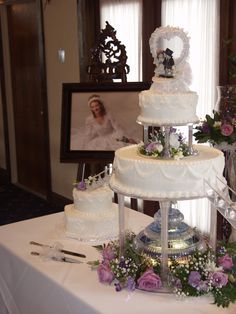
97 119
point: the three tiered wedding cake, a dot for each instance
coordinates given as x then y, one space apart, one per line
168 102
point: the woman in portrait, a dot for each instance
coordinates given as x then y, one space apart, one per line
102 131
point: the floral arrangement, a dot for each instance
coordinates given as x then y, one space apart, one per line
203 273
155 146
217 130
206 273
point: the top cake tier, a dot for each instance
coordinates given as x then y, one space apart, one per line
169 100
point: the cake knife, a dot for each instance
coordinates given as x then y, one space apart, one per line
63 251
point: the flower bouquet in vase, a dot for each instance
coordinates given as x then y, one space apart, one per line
219 130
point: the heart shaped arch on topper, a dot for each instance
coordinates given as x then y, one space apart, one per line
168 33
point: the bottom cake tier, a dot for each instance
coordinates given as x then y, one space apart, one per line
152 178
92 227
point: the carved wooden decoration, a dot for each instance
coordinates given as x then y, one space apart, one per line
108 58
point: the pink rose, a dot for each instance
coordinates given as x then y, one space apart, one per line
226 261
105 274
227 129
219 279
149 281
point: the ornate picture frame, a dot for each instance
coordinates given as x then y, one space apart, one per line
121 104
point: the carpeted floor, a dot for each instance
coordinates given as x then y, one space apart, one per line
17 204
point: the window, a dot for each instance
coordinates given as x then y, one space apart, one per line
202 25
126 18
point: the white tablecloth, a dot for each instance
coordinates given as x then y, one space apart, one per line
31 285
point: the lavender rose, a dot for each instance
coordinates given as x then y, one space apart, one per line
108 253
154 146
219 279
194 279
226 261
203 286
130 284
149 281
226 129
105 274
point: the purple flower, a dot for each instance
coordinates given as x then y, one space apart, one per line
226 129
205 128
177 283
149 281
108 253
152 147
226 261
130 284
219 279
105 274
194 279
118 286
81 186
203 286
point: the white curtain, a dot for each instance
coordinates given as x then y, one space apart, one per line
200 19
126 18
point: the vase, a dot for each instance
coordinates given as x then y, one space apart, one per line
226 101
226 106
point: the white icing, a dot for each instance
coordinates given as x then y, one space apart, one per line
167 109
92 227
168 85
93 217
96 200
157 179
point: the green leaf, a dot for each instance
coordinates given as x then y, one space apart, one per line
224 296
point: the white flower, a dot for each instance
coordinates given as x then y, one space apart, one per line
159 147
211 267
179 155
217 124
174 140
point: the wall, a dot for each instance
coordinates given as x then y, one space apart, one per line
2 142
61 31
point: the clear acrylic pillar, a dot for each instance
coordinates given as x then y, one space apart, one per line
121 224
164 207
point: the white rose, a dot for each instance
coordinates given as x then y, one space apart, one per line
174 140
217 124
159 147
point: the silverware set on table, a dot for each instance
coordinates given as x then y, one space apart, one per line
56 253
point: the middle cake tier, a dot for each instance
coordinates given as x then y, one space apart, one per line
152 178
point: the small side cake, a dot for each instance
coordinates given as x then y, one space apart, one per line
92 217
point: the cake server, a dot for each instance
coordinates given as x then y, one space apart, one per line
63 259
63 251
